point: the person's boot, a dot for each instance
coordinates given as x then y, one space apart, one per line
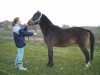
20 67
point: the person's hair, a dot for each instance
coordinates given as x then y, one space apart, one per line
15 21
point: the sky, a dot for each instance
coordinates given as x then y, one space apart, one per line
69 12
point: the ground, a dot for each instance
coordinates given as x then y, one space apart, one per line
67 61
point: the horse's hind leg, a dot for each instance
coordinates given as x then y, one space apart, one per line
86 54
50 56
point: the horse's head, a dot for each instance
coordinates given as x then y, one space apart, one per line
36 18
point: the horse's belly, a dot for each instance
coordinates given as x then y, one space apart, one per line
59 45
64 43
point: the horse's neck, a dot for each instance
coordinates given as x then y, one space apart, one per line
45 24
45 20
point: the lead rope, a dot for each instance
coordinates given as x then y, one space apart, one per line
33 37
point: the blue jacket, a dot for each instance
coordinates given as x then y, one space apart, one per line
19 36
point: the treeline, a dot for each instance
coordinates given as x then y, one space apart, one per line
7 25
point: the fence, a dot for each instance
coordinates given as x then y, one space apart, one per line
6 34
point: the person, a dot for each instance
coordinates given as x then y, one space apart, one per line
19 33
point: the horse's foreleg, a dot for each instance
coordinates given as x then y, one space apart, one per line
50 56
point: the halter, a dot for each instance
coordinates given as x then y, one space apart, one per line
37 19
33 25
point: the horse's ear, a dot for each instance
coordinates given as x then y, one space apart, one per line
38 11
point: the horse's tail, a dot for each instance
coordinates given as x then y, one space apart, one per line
92 42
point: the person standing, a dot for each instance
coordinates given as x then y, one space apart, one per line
19 34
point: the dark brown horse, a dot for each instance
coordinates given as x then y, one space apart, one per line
56 36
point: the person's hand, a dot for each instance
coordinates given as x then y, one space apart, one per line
35 33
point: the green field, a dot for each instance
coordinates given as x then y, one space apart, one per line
68 61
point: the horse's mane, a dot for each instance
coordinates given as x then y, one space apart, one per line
47 20
49 23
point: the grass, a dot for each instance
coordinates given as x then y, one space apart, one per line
68 61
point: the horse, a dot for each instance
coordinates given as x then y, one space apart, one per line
55 36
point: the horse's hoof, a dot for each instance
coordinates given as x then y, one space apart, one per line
50 65
87 65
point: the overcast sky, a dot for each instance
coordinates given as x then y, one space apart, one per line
69 12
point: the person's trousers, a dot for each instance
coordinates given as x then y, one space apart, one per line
19 57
